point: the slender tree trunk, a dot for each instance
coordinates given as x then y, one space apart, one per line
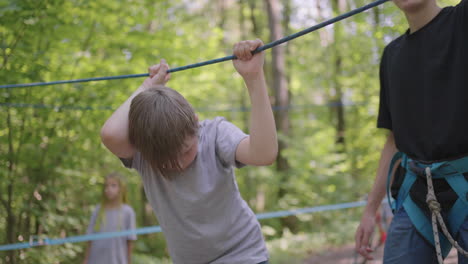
244 36
11 221
7 202
339 6
250 185
257 194
253 19
144 215
279 84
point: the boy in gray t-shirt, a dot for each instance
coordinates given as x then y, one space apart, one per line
187 166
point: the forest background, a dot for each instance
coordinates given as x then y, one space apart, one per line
324 89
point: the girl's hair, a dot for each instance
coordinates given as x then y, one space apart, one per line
101 217
160 120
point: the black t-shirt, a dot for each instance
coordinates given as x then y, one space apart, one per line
424 96
424 88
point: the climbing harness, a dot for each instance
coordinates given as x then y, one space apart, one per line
452 172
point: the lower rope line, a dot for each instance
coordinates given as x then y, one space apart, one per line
44 241
227 58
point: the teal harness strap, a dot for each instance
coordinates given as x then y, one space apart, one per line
406 185
452 172
455 178
459 210
395 158
424 225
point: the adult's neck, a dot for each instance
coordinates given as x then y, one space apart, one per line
421 16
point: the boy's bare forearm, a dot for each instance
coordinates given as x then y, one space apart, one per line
379 189
263 138
114 133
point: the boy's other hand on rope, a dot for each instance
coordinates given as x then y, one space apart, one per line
157 75
248 65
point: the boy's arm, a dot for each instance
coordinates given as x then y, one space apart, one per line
261 147
114 133
367 224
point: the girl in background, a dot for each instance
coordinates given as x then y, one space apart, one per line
113 214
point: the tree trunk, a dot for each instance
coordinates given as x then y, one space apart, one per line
10 223
336 102
144 215
279 84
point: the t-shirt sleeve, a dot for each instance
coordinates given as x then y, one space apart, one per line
127 162
132 163
130 222
92 222
384 119
228 137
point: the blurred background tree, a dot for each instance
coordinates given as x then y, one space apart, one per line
323 86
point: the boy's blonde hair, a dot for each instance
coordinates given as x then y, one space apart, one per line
160 120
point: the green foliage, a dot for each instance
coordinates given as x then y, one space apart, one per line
52 163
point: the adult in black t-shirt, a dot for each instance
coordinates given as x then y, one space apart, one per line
424 105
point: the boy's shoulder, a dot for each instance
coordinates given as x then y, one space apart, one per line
391 49
210 126
395 44
213 122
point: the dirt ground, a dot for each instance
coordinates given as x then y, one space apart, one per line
345 255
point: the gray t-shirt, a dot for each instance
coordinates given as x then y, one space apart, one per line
111 250
201 212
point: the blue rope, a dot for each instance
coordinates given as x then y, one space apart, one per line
56 107
200 109
157 229
311 210
227 58
74 81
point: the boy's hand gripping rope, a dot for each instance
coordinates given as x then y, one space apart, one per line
232 57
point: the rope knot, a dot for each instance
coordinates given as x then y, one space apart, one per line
433 204
431 199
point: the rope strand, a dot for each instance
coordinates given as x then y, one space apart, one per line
195 65
435 208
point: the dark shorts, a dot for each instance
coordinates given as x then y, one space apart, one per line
404 245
